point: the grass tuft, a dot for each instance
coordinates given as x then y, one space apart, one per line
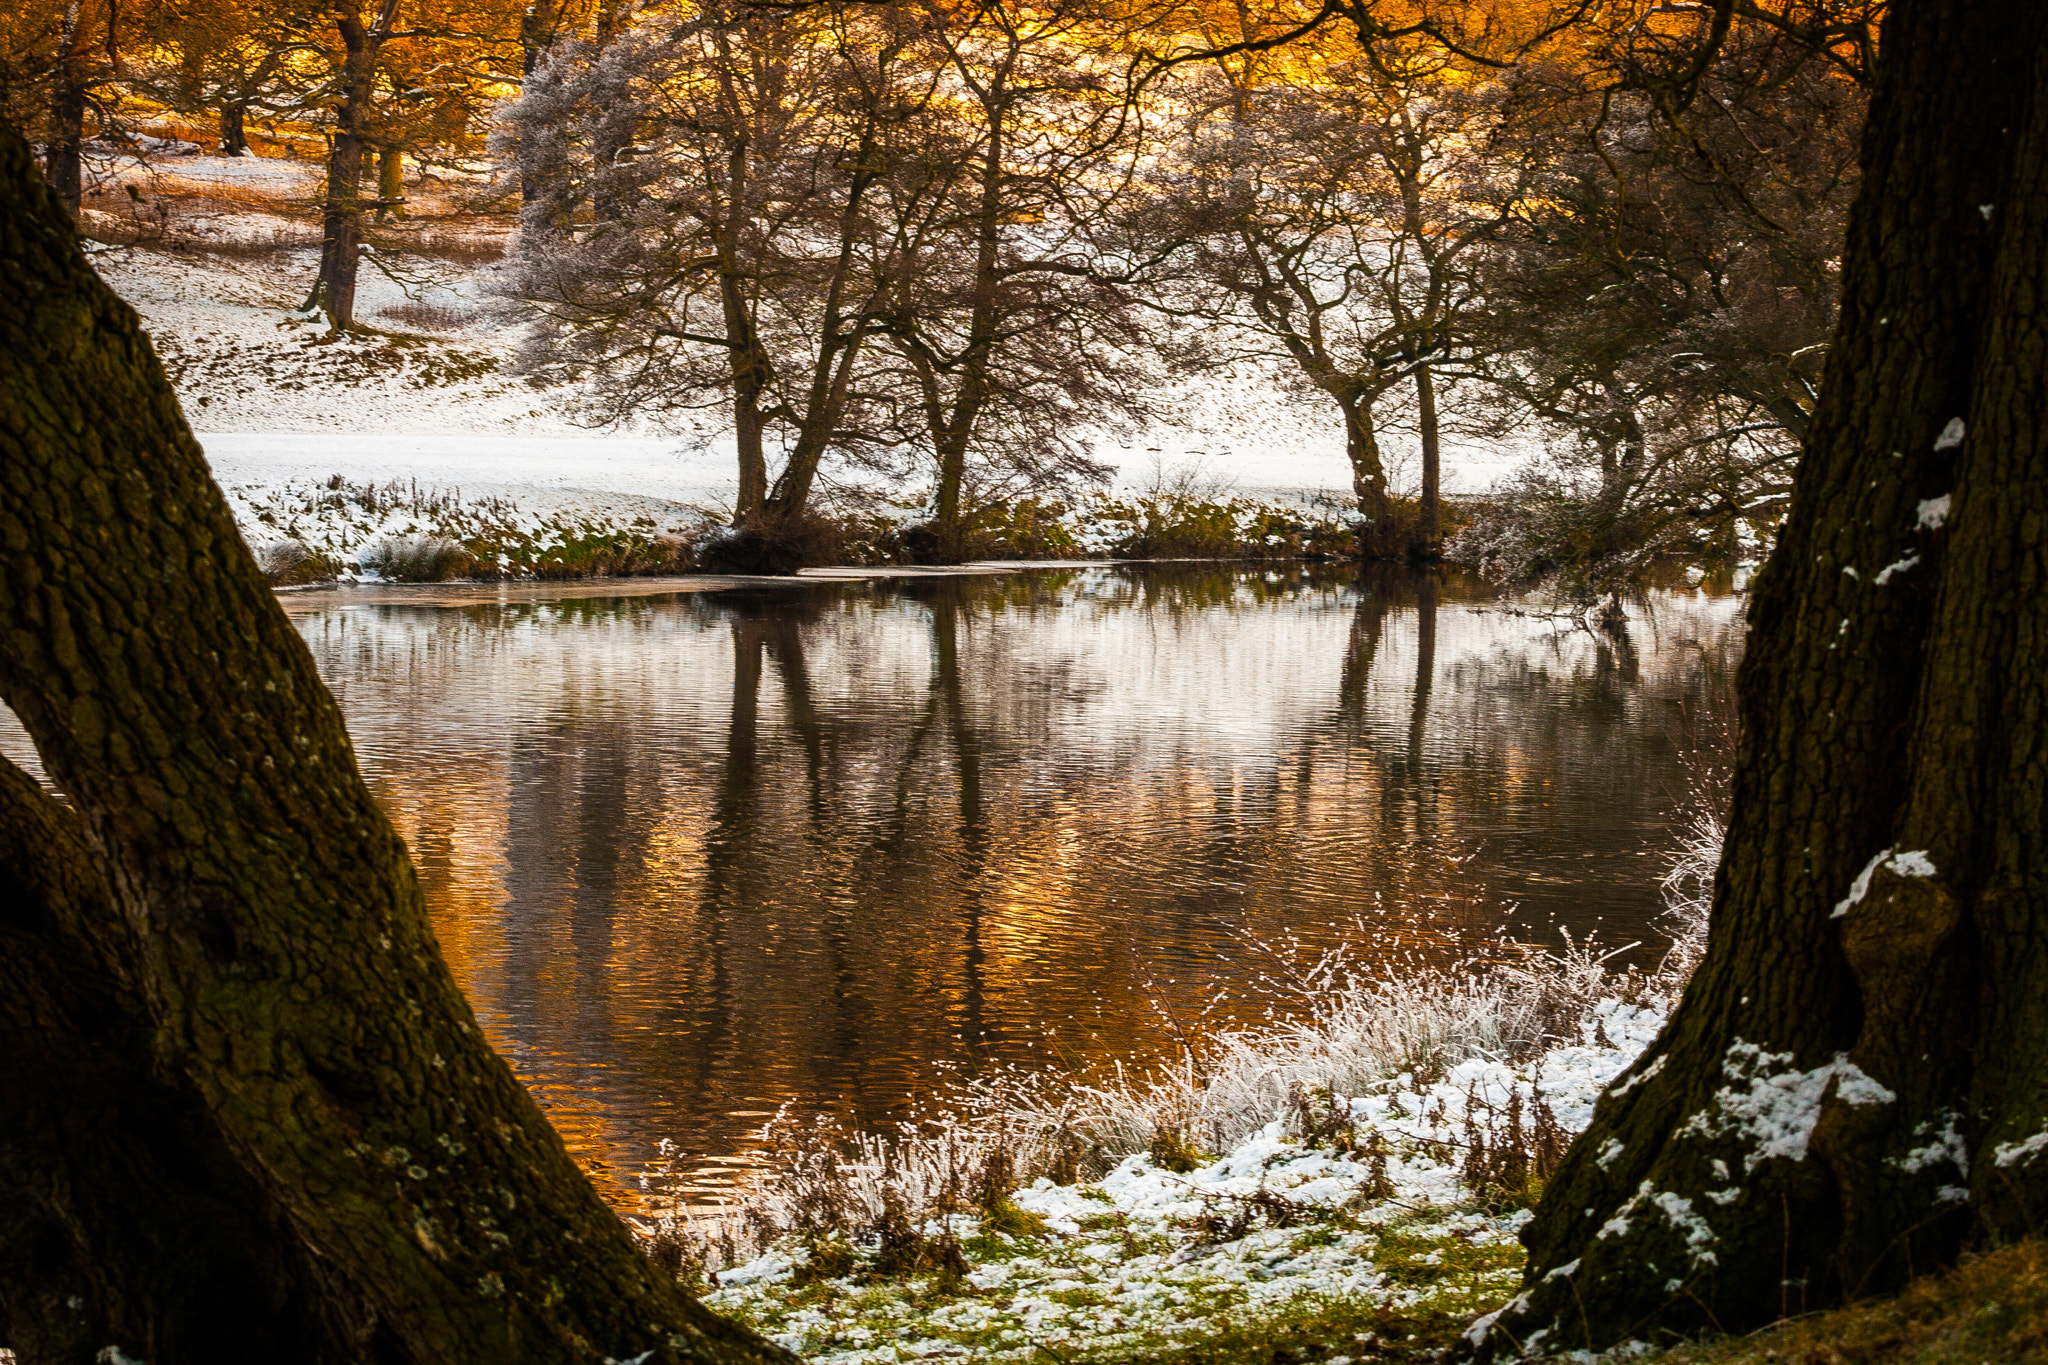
1992 1307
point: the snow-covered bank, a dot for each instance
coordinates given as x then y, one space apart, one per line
1377 1210
1336 1183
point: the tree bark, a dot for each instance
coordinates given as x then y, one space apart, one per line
120 1205
234 134
1368 471
1856 1080
63 156
390 181
1429 532
752 368
267 912
342 220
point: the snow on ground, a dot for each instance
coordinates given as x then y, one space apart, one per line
275 406
1145 1257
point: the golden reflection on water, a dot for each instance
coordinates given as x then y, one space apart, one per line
695 857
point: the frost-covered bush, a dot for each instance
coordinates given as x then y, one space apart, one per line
290 563
416 559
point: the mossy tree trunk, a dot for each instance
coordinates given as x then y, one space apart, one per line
1368 469
276 1029
1856 1082
119 1203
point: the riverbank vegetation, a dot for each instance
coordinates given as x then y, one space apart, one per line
1349 1181
397 532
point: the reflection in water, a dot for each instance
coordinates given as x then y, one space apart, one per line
696 856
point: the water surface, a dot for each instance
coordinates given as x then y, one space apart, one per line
697 855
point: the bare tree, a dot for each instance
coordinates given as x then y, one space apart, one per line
1016 323
1661 305
1332 214
710 231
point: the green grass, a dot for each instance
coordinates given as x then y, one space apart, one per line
1311 1329
1436 1279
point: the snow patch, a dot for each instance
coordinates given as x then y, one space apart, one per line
1884 575
1860 888
1698 1234
2013 1153
1933 512
1773 1107
1914 863
1476 1333
1632 1082
1951 435
1946 1145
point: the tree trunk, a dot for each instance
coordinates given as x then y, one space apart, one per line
1429 532
120 1205
1368 473
750 434
63 160
1857 1079
268 915
390 181
951 442
234 135
342 235
751 368
342 222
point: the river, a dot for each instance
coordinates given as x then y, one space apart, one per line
698 854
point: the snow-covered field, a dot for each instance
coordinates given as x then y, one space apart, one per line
432 403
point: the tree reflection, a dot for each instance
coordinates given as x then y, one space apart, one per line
696 859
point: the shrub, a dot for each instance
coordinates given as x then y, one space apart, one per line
604 555
1019 528
777 545
293 563
417 559
432 317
